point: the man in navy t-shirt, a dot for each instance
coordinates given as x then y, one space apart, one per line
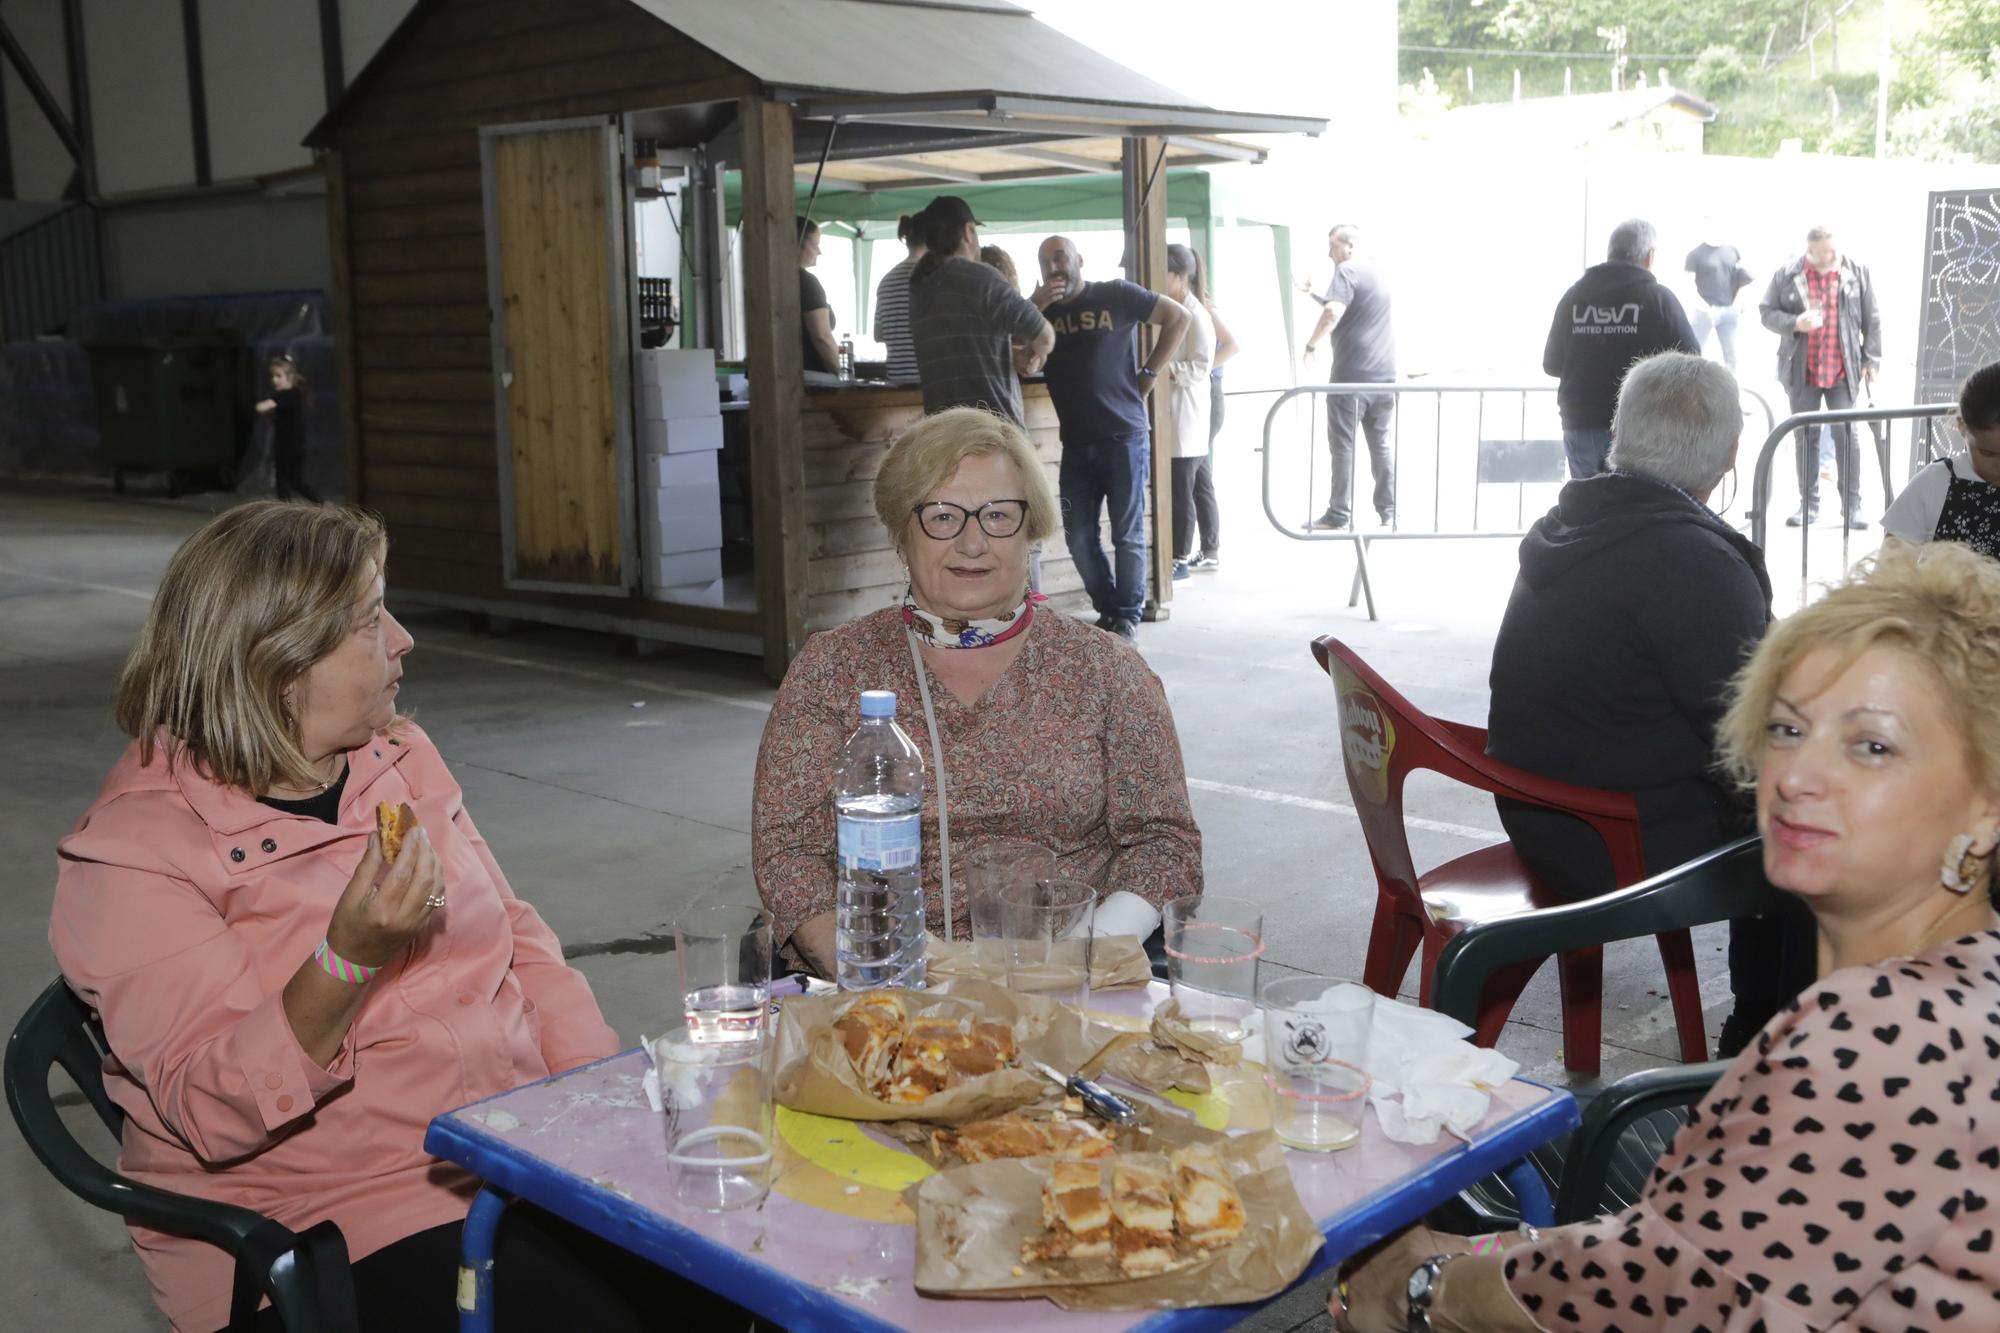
1099 389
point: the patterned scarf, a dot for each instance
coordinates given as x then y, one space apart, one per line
945 632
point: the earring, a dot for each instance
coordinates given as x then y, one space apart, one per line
1964 871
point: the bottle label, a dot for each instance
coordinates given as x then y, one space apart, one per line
880 844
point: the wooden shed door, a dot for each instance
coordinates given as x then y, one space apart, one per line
556 269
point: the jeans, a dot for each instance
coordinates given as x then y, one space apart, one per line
1111 475
1587 448
1808 398
1371 411
1721 318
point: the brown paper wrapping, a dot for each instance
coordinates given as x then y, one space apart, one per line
1171 1030
1115 961
814 1073
971 1221
1154 1067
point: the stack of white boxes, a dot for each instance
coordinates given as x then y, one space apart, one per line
680 503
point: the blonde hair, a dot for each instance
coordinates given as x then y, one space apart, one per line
247 605
1939 602
930 451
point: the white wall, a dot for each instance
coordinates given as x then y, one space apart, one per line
208 246
41 166
136 57
364 26
265 83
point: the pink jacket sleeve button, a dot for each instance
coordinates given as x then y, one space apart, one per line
285 1103
274 1081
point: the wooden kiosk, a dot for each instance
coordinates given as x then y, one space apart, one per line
480 173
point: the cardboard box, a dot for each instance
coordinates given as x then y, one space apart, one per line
676 382
680 435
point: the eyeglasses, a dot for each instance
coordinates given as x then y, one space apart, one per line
942 520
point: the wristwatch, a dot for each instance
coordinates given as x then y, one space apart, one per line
1149 372
1422 1291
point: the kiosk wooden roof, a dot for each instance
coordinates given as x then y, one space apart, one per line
865 93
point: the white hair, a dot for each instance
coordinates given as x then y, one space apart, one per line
1678 421
1631 241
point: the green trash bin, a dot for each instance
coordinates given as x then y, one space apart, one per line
168 405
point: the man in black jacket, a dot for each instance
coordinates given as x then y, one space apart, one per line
1634 607
1615 314
1822 307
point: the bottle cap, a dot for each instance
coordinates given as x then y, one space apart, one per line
878 703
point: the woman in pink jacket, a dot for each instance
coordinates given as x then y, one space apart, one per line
285 1017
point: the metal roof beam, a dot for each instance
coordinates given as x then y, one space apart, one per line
930 169
1234 152
1074 161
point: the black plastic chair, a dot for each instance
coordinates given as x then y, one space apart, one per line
305 1274
1604 1165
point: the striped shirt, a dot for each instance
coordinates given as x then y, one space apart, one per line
964 318
892 321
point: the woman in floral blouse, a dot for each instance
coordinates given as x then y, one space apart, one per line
1053 731
1845 1171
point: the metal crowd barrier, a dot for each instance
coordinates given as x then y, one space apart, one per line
1925 447
1503 457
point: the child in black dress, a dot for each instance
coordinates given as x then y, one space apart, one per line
287 408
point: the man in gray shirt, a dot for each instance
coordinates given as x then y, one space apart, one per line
974 334
1356 317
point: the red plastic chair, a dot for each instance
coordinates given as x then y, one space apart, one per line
1383 737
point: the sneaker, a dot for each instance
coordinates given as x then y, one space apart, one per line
1105 622
1857 523
1388 517
1180 570
1206 563
1802 518
1125 629
1328 522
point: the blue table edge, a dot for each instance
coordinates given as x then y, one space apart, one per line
734 1275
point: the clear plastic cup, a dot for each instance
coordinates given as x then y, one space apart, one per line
1047 940
1213 944
989 869
722 949
717 1099
1315 1051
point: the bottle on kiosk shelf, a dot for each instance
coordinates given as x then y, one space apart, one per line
847 356
878 804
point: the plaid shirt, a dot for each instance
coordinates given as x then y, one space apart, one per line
1824 368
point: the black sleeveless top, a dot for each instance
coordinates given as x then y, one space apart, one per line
1971 515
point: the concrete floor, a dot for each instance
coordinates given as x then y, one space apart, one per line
612 789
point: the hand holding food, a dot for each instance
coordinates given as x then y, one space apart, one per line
373 921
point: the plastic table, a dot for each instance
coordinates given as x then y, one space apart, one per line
833 1246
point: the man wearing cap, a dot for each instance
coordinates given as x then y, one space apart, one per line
1099 388
974 334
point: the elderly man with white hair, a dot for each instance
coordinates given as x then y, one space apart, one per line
1633 608
1615 314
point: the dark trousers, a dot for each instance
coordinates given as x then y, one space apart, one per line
1194 506
547 1274
1587 448
1108 475
1808 398
1371 411
289 459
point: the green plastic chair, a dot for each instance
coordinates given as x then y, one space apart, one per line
305 1274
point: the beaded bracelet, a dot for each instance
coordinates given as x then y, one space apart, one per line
340 969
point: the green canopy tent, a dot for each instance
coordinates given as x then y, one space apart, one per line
1074 203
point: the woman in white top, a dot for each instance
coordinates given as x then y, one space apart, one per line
1958 499
1188 380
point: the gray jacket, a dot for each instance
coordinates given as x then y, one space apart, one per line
1860 321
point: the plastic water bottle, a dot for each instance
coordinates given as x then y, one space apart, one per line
847 357
878 803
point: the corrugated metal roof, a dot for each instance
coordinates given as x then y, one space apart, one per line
909 49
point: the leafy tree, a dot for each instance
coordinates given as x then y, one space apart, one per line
1970 29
